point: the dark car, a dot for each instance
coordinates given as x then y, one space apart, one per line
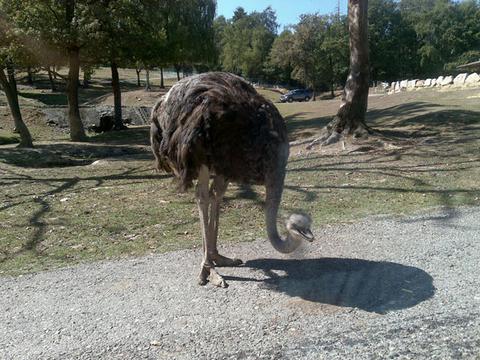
296 95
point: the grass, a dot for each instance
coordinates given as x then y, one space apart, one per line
8 138
60 206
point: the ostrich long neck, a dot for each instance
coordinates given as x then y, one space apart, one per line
274 190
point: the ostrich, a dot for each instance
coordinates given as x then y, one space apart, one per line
215 125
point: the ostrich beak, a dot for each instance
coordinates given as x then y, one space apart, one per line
307 235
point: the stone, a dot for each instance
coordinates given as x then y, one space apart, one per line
439 80
420 83
460 79
472 79
403 84
434 82
447 80
397 86
427 82
411 84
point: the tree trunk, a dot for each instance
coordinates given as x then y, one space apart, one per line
77 132
50 78
29 76
177 69
10 88
350 118
147 80
162 84
138 71
86 79
332 93
117 98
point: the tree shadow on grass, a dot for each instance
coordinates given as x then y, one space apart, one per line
299 128
119 145
373 286
44 199
95 93
443 125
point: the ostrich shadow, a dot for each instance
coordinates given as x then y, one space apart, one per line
373 286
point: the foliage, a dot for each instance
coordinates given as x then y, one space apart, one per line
246 40
446 32
407 39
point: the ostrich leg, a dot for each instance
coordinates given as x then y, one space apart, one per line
207 270
217 191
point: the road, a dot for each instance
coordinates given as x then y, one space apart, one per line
381 288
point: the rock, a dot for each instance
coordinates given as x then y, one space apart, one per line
420 83
447 80
460 79
99 163
403 84
439 80
434 82
411 84
391 90
397 87
472 79
428 82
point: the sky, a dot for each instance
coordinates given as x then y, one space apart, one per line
288 11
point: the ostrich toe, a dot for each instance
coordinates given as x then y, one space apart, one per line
209 274
223 261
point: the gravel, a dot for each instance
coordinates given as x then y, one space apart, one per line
380 288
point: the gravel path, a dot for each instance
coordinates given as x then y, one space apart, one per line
381 288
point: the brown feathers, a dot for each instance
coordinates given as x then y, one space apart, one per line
219 120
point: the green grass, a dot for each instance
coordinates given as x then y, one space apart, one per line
8 138
58 209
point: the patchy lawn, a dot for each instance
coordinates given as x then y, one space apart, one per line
63 203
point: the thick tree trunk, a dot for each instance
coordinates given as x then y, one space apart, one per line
147 80
77 132
117 98
9 86
50 78
138 71
162 84
350 118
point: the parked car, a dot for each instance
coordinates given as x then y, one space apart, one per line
296 95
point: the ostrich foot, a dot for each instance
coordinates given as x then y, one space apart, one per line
223 261
209 274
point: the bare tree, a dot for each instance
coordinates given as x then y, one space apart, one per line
350 118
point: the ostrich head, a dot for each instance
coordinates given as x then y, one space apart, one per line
298 227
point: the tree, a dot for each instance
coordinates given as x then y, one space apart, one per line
316 52
120 24
350 118
10 50
390 38
246 42
281 60
334 52
65 27
446 33
309 34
